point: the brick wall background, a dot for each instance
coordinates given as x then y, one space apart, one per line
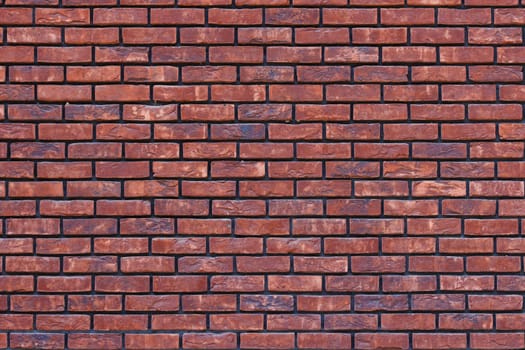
262 174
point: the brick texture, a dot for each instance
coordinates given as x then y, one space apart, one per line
275 174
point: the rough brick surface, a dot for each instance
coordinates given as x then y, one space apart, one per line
226 174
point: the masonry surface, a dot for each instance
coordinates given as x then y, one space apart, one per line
276 174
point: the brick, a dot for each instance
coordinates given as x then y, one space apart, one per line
408 245
508 16
286 93
293 54
65 131
398 132
234 169
353 92
94 303
467 283
235 245
114 16
179 322
149 35
341 54
263 264
436 264
93 226
336 16
219 188
181 245
211 341
242 17
501 340
501 36
322 35
410 93
185 169
177 16
437 73
92 341
351 245
67 284
464 16
361 264
375 36
34 35
234 93
439 188
437 112
439 341
491 3
379 3
38 303
237 322
208 302
54 246
89 189
238 208
121 54
91 36
90 265
88 74
509 245
122 284
65 322
81 54
418 54
37 340
66 208
61 17
380 74
147 74
292 16
152 303
91 112
12 16
489 302
94 151
412 208
122 93
17 93
266 302
376 303
213 112
476 55
323 340
233 54
441 35
264 35
407 16
18 54
150 341
166 54
377 340
410 321
249 227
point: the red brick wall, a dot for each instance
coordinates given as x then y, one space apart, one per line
262 174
